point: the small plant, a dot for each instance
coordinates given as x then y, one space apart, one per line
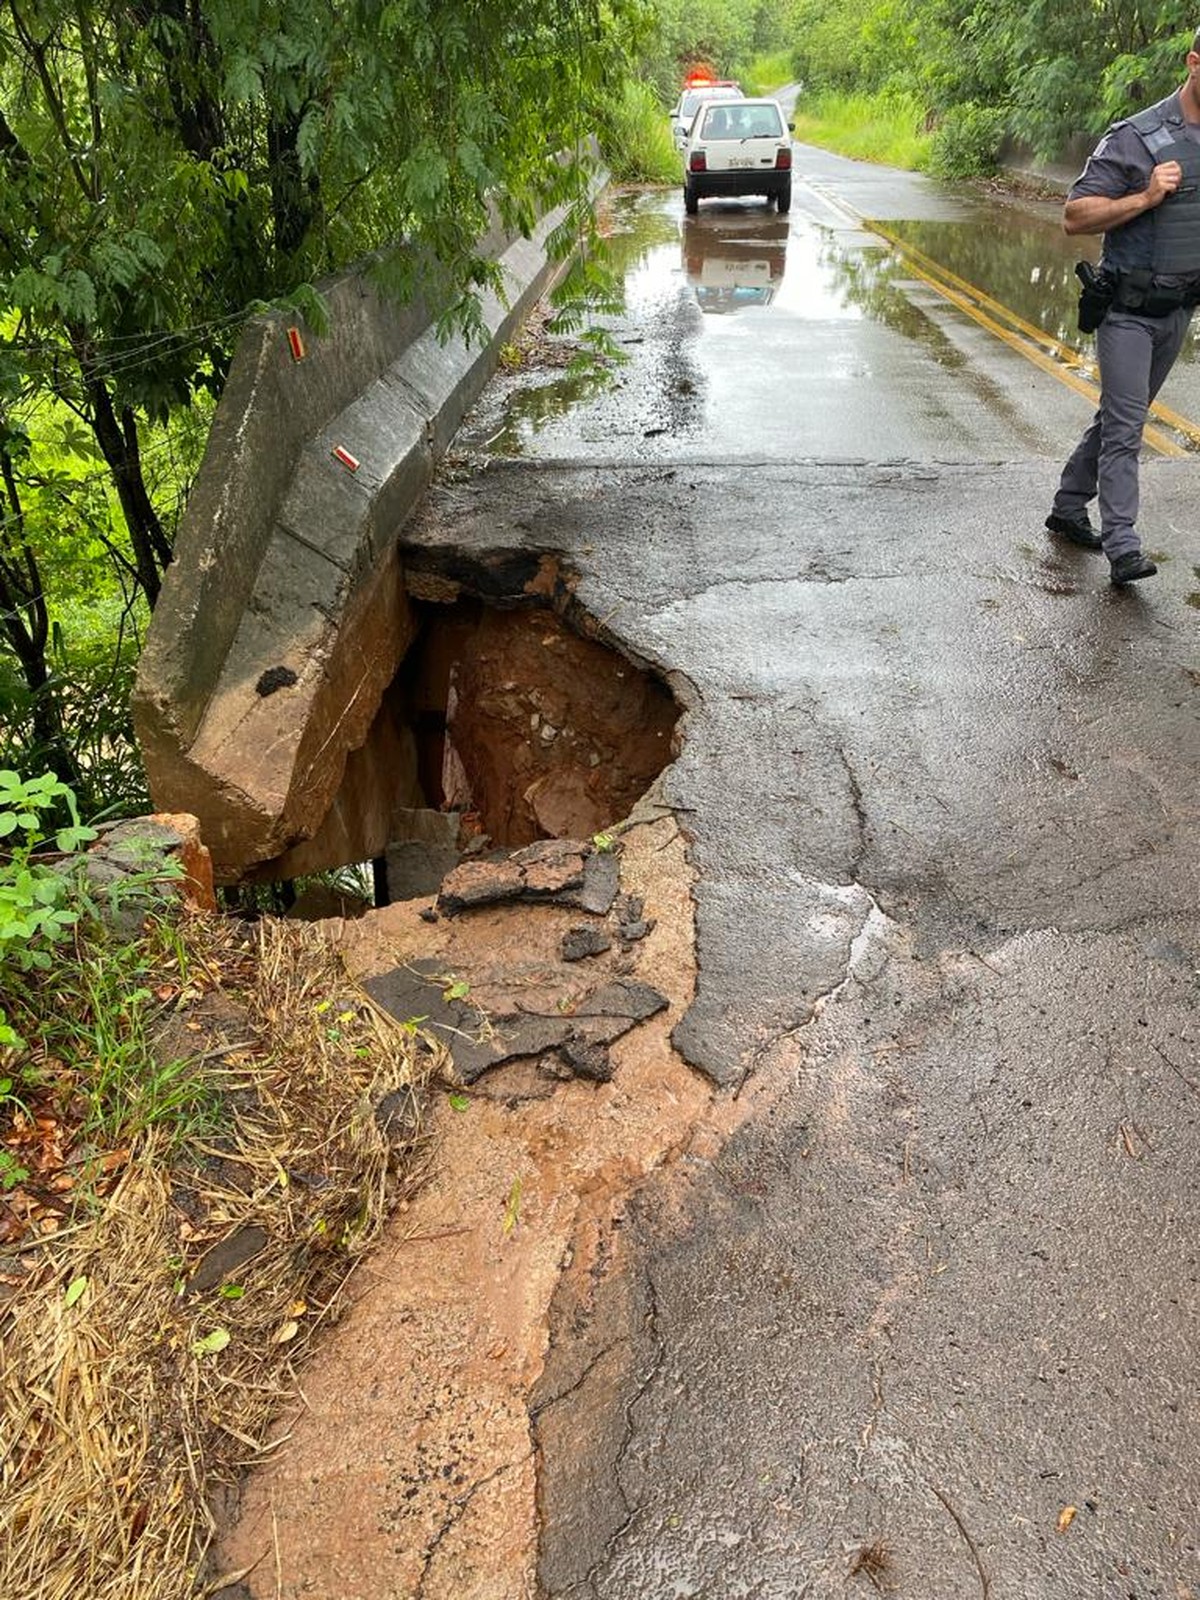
874 1561
11 1171
35 909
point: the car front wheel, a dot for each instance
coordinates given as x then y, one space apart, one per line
783 196
691 200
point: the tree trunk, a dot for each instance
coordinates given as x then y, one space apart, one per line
119 446
25 621
295 200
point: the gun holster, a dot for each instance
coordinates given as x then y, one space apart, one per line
1095 296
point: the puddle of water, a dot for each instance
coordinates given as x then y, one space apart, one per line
636 233
734 261
636 230
528 410
1015 258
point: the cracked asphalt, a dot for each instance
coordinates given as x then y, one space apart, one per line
925 1325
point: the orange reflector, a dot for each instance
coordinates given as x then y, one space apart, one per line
344 456
296 343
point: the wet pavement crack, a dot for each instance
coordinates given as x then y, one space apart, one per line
859 808
539 1410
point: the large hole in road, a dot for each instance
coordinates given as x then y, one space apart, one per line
508 721
525 728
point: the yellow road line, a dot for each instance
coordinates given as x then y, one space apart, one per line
1065 362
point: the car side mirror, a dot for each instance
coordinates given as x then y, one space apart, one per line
791 127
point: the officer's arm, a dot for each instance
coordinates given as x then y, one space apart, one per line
1097 213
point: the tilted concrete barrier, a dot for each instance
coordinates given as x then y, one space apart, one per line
259 702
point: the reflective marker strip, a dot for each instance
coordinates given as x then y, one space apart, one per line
344 456
296 343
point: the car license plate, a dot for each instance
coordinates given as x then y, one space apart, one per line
741 161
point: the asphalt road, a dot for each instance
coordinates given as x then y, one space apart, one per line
926 1325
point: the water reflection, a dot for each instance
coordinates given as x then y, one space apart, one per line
875 280
636 228
733 263
1014 258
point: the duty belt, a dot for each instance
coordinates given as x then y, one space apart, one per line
1137 292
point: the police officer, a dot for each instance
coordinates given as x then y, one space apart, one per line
1141 190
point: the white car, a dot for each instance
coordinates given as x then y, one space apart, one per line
738 147
693 97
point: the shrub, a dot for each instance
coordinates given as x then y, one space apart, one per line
967 141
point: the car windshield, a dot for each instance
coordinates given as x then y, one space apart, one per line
743 122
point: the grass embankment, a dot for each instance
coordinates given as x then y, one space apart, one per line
203 1127
637 141
883 128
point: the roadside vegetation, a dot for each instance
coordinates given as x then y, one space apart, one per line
881 127
950 81
166 172
203 1125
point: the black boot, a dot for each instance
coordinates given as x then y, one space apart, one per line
1078 530
1130 567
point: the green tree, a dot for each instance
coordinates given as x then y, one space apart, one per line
169 166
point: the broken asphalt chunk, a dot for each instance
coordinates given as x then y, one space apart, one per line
226 1256
623 998
561 871
583 941
399 1115
588 1059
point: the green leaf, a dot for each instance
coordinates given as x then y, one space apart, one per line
75 1292
458 1102
458 990
212 1343
232 1291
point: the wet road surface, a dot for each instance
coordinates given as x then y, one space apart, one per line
926 1325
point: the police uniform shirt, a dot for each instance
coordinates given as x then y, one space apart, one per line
1121 164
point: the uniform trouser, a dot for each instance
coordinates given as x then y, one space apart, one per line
1135 355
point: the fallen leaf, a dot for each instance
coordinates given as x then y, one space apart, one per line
1065 1518
75 1291
288 1331
212 1343
297 1308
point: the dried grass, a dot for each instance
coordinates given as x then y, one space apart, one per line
119 1417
